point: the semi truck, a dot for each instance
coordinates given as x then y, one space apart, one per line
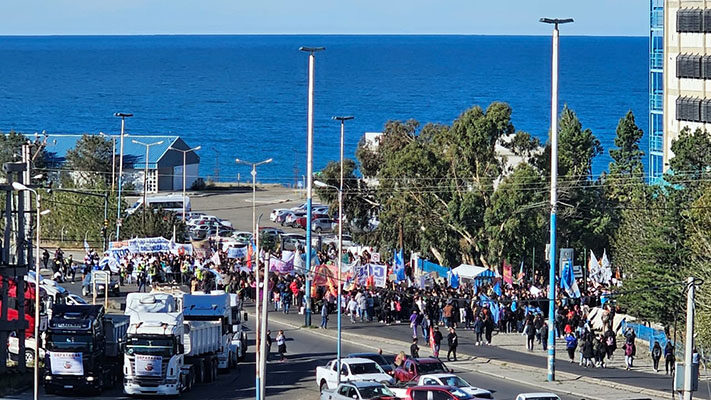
215 307
164 354
83 349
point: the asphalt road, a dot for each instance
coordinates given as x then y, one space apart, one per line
295 378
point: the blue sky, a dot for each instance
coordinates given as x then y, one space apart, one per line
511 17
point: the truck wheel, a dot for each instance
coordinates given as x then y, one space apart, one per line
29 356
215 367
200 373
323 386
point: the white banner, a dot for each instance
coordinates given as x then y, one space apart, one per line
148 365
66 363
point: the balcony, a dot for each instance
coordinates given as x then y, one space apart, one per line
656 60
657 19
656 102
656 142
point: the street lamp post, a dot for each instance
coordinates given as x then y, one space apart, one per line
113 159
185 152
259 331
309 175
123 117
145 171
554 194
340 239
18 186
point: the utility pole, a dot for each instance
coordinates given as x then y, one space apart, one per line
554 192
689 346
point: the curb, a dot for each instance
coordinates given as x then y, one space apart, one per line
357 339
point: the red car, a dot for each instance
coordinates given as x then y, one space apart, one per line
436 393
412 368
301 221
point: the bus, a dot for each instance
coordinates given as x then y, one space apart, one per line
172 203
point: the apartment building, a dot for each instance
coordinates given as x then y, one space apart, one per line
687 69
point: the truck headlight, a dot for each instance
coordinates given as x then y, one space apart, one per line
48 377
90 379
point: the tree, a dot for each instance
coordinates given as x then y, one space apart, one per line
11 150
691 164
699 266
90 160
627 157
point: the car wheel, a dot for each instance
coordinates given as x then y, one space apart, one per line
318 229
29 356
322 386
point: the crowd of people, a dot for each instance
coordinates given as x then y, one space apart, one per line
482 307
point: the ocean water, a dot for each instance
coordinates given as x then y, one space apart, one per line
245 96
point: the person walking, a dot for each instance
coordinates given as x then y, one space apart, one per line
413 323
352 309
544 335
669 358
453 342
437 338
588 351
324 315
656 355
479 330
571 343
414 349
281 345
269 343
529 331
629 354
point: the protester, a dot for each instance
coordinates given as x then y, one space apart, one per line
269 343
669 358
437 338
281 345
453 342
324 315
571 343
414 349
656 355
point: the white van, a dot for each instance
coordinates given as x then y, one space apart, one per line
172 203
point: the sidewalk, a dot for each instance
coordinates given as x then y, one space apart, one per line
507 359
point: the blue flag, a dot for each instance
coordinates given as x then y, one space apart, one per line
497 288
399 266
453 279
567 280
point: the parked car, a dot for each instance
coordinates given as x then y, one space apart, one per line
323 225
302 207
276 213
242 237
358 391
269 231
291 216
352 370
293 240
208 220
436 392
454 381
73 299
537 396
378 358
412 368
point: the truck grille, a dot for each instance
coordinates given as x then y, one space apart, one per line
149 381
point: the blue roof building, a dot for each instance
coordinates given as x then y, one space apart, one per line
165 165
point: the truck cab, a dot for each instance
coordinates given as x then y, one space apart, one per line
82 349
215 306
239 334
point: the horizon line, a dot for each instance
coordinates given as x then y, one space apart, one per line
303 34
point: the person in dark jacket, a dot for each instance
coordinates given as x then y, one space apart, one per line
414 349
437 337
669 358
656 355
571 343
588 351
453 342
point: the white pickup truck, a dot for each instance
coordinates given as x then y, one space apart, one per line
357 391
450 380
352 370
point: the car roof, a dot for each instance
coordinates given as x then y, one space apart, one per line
539 394
426 360
440 375
431 387
360 384
356 360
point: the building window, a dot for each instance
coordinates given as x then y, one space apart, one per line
707 21
690 20
688 66
688 109
706 110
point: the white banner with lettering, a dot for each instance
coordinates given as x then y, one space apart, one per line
148 365
63 363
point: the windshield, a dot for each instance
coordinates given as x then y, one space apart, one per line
430 368
374 392
365 368
454 381
461 395
58 341
380 360
149 346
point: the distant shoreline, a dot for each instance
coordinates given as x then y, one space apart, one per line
547 35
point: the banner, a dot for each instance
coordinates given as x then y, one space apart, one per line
379 273
149 245
148 365
237 252
323 272
508 275
66 363
285 265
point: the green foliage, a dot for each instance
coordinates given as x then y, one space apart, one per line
699 266
358 201
627 157
649 249
90 160
11 150
691 163
152 223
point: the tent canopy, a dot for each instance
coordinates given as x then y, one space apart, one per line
467 271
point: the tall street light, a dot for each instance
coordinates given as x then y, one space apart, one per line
554 193
260 331
309 175
185 152
113 158
123 117
145 172
19 187
342 119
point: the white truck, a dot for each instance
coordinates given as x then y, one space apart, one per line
352 370
238 345
358 391
215 307
164 354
